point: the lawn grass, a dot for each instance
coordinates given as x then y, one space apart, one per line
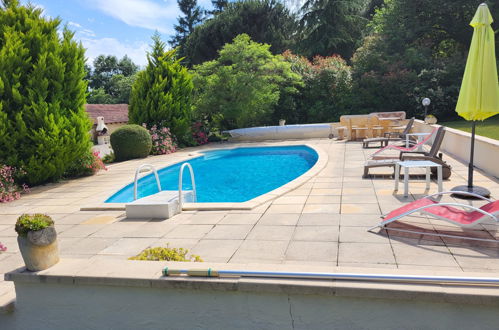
489 127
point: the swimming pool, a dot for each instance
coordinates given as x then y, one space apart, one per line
230 175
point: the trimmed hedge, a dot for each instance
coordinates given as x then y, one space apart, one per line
131 141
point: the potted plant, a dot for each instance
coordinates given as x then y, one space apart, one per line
37 241
282 122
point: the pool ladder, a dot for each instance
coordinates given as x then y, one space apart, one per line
158 183
180 179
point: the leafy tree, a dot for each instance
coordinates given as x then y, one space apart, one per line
43 123
242 87
265 21
218 6
416 49
193 15
331 27
111 79
161 95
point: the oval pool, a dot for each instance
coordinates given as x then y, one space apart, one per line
230 175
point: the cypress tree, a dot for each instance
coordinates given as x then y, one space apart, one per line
161 95
43 123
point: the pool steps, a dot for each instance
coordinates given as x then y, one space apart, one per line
162 205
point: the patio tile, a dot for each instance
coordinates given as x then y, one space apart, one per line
88 245
185 243
360 234
423 255
314 219
204 218
359 220
325 191
316 233
151 229
290 200
371 253
100 219
296 208
279 219
312 251
356 199
321 208
478 258
117 229
360 209
80 230
299 192
271 233
189 231
260 251
240 219
128 246
229 232
216 250
328 199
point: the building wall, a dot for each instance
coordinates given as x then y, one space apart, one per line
60 306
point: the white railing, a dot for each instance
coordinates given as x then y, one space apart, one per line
180 179
149 167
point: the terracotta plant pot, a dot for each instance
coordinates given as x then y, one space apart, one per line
430 120
39 249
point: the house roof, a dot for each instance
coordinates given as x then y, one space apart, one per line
112 113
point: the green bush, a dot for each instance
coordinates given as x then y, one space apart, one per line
166 254
161 94
32 222
243 86
43 123
131 141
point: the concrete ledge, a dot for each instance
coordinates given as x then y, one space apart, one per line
147 274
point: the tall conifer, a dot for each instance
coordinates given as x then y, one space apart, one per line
161 95
193 15
43 123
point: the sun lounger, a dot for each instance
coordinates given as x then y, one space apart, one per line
454 213
389 136
431 155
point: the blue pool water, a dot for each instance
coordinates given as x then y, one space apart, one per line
234 175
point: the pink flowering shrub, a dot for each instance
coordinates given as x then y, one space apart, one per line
3 248
9 189
87 165
162 140
200 133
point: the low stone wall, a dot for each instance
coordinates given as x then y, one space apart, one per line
115 294
458 143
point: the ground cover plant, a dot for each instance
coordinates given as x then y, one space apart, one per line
32 222
10 190
488 128
166 254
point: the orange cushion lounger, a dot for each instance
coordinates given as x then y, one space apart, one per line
454 213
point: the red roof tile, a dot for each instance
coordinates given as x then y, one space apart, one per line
112 113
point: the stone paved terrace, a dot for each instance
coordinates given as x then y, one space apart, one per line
322 223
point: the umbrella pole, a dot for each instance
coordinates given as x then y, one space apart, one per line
472 154
470 187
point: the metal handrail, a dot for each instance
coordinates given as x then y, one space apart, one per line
193 181
151 168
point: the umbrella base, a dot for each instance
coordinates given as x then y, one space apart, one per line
474 189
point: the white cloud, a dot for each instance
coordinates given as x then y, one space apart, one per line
142 13
76 25
111 46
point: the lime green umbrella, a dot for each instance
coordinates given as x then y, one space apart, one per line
479 94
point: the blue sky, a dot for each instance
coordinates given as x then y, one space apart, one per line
116 27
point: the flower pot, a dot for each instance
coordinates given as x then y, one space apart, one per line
430 120
39 249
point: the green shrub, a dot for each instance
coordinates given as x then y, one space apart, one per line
109 158
43 123
166 254
162 93
89 164
32 222
131 141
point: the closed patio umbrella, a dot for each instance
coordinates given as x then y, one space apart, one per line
479 93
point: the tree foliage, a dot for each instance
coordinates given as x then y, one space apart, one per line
265 21
110 80
331 27
43 123
416 49
193 15
242 87
161 95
